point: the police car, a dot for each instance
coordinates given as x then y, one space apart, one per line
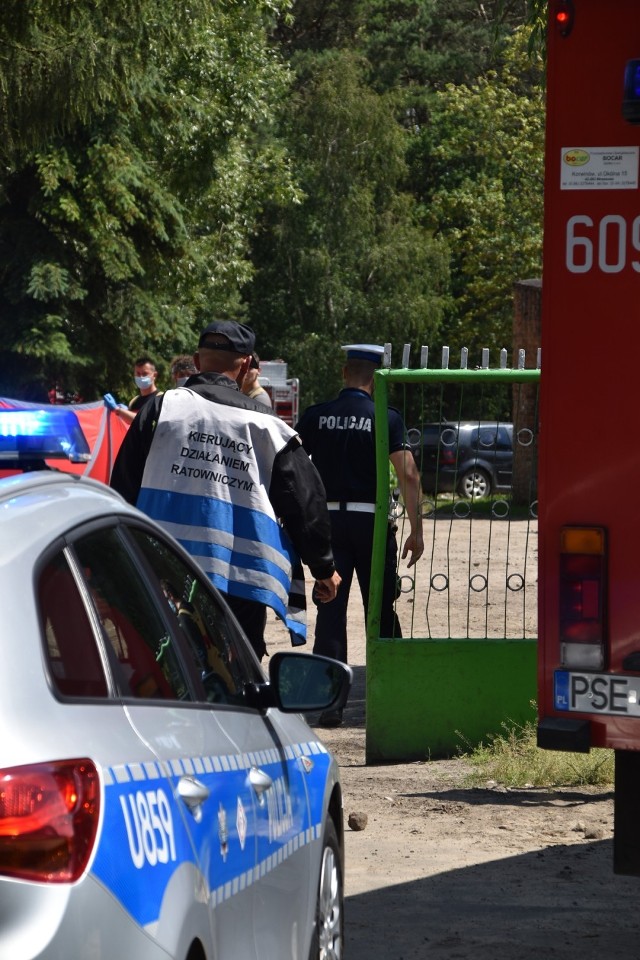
159 796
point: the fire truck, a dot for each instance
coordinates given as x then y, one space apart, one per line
283 390
589 522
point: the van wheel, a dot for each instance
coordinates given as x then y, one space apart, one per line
328 934
474 484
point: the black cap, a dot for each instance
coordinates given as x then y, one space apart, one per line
238 337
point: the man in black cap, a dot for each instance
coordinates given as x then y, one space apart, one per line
233 483
339 436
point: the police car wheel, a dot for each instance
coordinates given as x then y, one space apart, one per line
328 935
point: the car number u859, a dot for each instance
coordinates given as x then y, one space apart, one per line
605 693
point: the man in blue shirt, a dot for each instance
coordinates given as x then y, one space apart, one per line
339 437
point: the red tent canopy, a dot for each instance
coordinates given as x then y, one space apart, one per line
103 430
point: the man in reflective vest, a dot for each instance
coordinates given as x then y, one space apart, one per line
232 483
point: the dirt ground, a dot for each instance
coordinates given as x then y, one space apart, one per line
449 872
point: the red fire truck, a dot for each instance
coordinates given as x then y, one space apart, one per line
589 614
284 391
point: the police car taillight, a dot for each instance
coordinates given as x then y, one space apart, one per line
583 597
48 820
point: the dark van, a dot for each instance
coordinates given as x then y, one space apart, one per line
473 459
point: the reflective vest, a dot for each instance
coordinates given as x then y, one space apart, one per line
206 481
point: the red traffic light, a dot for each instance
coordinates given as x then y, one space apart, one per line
563 14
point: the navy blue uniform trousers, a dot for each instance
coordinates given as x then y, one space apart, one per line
351 541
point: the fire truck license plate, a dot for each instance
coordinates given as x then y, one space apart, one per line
596 693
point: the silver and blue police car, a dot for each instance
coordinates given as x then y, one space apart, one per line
159 796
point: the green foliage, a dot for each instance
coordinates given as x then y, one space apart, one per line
352 259
427 43
138 152
316 25
80 233
331 170
64 64
392 162
486 170
536 17
409 44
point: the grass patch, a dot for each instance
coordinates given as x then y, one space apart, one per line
513 759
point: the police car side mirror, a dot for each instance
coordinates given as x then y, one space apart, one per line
305 682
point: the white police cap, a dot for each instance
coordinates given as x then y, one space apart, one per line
364 351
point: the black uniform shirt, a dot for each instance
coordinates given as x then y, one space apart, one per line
137 403
339 437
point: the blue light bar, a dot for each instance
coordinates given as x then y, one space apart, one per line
631 96
42 435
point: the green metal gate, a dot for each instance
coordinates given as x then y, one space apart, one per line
466 662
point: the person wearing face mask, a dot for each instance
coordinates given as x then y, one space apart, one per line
182 367
144 375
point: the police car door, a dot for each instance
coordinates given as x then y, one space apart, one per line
189 817
260 859
141 840
278 768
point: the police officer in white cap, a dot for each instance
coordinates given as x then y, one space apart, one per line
339 436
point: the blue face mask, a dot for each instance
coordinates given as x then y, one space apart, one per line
180 382
142 383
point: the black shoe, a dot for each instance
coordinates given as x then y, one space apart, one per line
330 718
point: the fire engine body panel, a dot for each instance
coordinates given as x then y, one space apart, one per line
589 526
284 392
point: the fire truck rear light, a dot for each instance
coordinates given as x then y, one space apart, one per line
49 816
582 633
582 656
582 540
590 600
563 14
